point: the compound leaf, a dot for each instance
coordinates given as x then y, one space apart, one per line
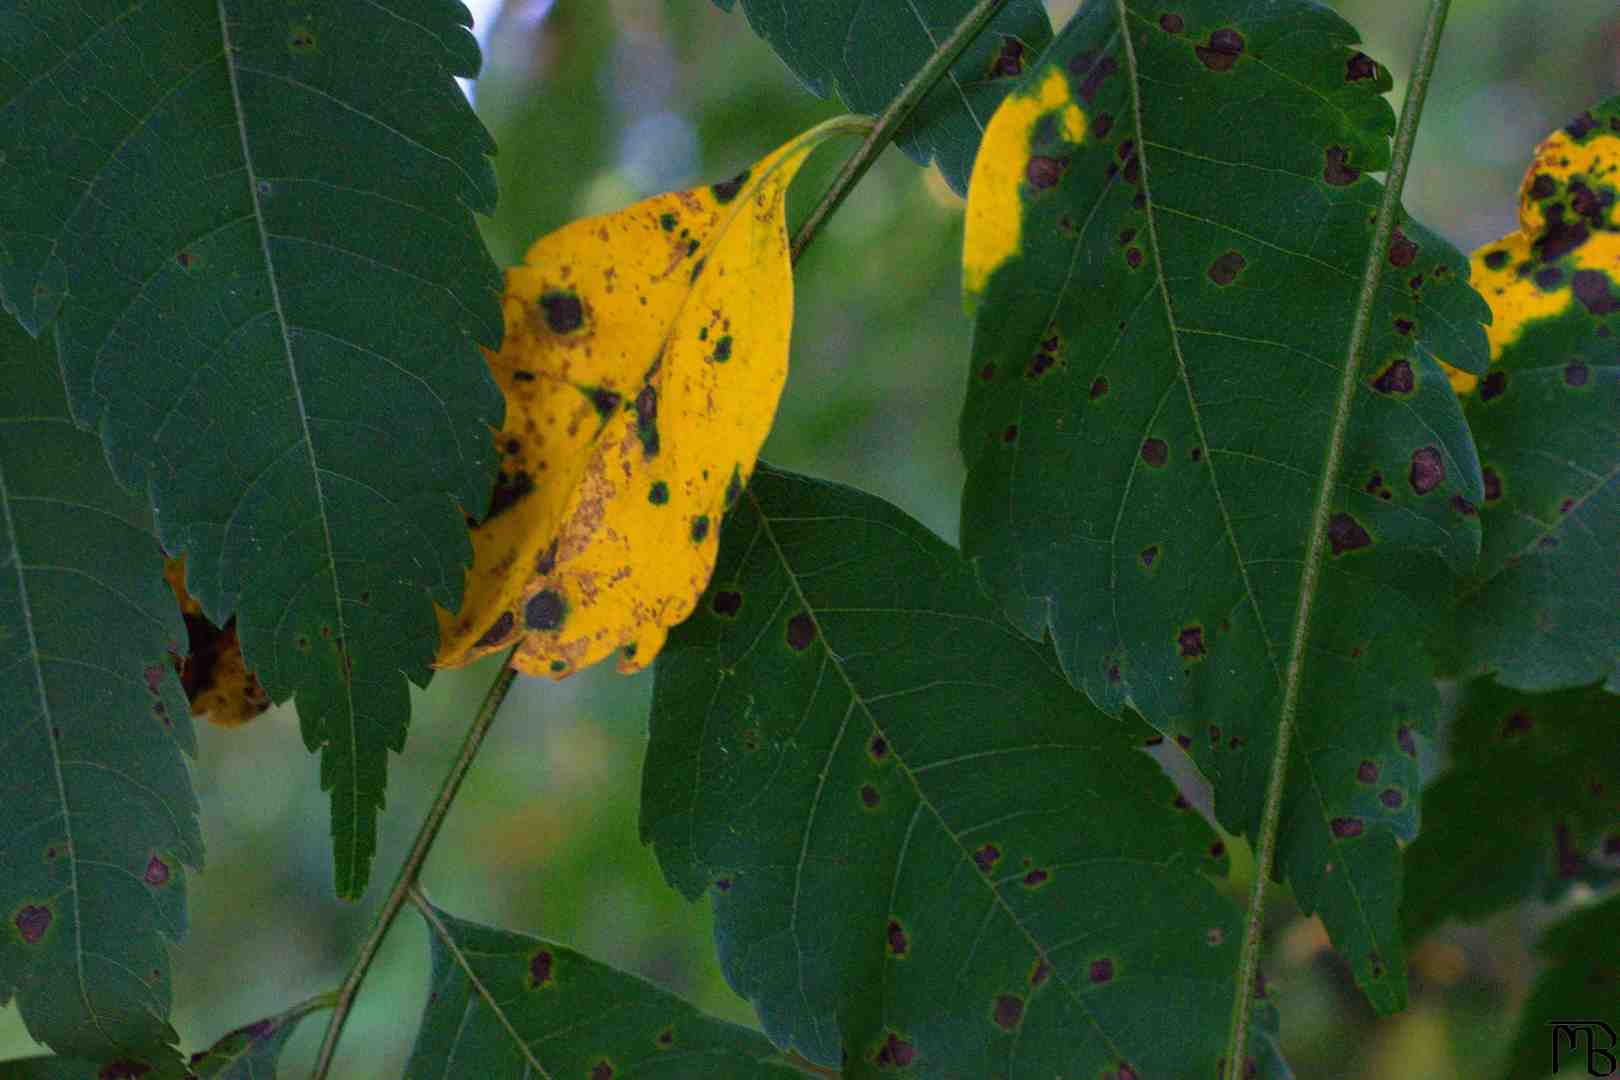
866 52
252 224
505 1004
99 810
924 848
643 357
1576 989
1542 608
1529 807
1167 232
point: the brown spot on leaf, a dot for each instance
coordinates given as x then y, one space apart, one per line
1401 250
1226 267
1101 970
1155 452
1393 798
1360 66
545 610
602 1070
1576 374
1335 169
801 631
1222 50
1009 62
1043 172
1591 288
986 857
1345 827
1493 386
1008 1012
899 943
1428 469
564 312
157 872
727 190
1149 554
1095 72
32 920
1171 23
870 797
878 748
1036 878
895 1053
1493 484
1395 379
540 969
1367 772
1191 642
1345 533
726 603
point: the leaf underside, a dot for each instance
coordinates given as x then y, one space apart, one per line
1529 807
922 845
506 1005
99 811
258 250
866 52
1167 232
1542 608
1578 983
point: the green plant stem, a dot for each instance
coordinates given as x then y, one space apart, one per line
1383 229
899 110
406 879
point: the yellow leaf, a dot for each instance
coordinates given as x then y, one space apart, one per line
215 677
644 354
1566 228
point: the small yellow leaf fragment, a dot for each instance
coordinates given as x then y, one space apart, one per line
1567 247
1006 167
213 674
644 354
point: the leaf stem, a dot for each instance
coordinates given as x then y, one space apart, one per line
899 111
1389 209
406 880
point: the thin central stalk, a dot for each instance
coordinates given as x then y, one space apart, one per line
1383 229
403 883
898 112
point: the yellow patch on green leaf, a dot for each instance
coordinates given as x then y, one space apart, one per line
1005 167
1564 252
213 674
644 355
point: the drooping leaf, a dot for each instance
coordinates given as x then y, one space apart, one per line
865 53
1529 807
1581 982
99 810
212 672
1542 608
643 358
252 1051
924 848
253 228
1167 233
507 1005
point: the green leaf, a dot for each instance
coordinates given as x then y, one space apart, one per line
503 1004
866 52
1529 807
251 1052
259 250
922 845
98 803
1580 982
1166 238
1542 609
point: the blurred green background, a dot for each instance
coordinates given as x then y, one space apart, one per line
596 103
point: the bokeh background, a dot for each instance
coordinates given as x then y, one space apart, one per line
596 103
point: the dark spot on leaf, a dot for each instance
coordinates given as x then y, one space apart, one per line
1140 202
1495 260
546 561
878 747
523 376
1576 374
691 249
1401 250
1171 23
1035 878
647 420
1392 798
1096 72
1493 385
1132 173
1009 1011
986 857
1009 61
604 401
1548 278
1543 186
1547 543
726 603
895 1053
540 969
1463 506
1011 434
666 1039
1403 326
722 349
1149 553
1191 642
697 268
667 222
1101 970
510 489
1428 470
123 1069
157 872
700 528
1591 288
1214 936
1180 802
1493 484
1566 506
1043 172
1395 379
1345 827
899 943
1226 267
1346 534
658 494
1335 171
301 40
801 631
1184 741
1559 238
32 920
512 446
1101 126
1155 452
1367 772
727 190
1222 51
545 610
1581 126
1126 236
186 260
723 884
1133 257
1153 740
602 1070
870 797
1217 849
1358 67
1039 972
564 312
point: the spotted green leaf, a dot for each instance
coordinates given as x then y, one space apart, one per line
924 848
1542 608
507 1006
865 52
1168 227
252 1051
99 811
1579 983
252 227
1529 807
